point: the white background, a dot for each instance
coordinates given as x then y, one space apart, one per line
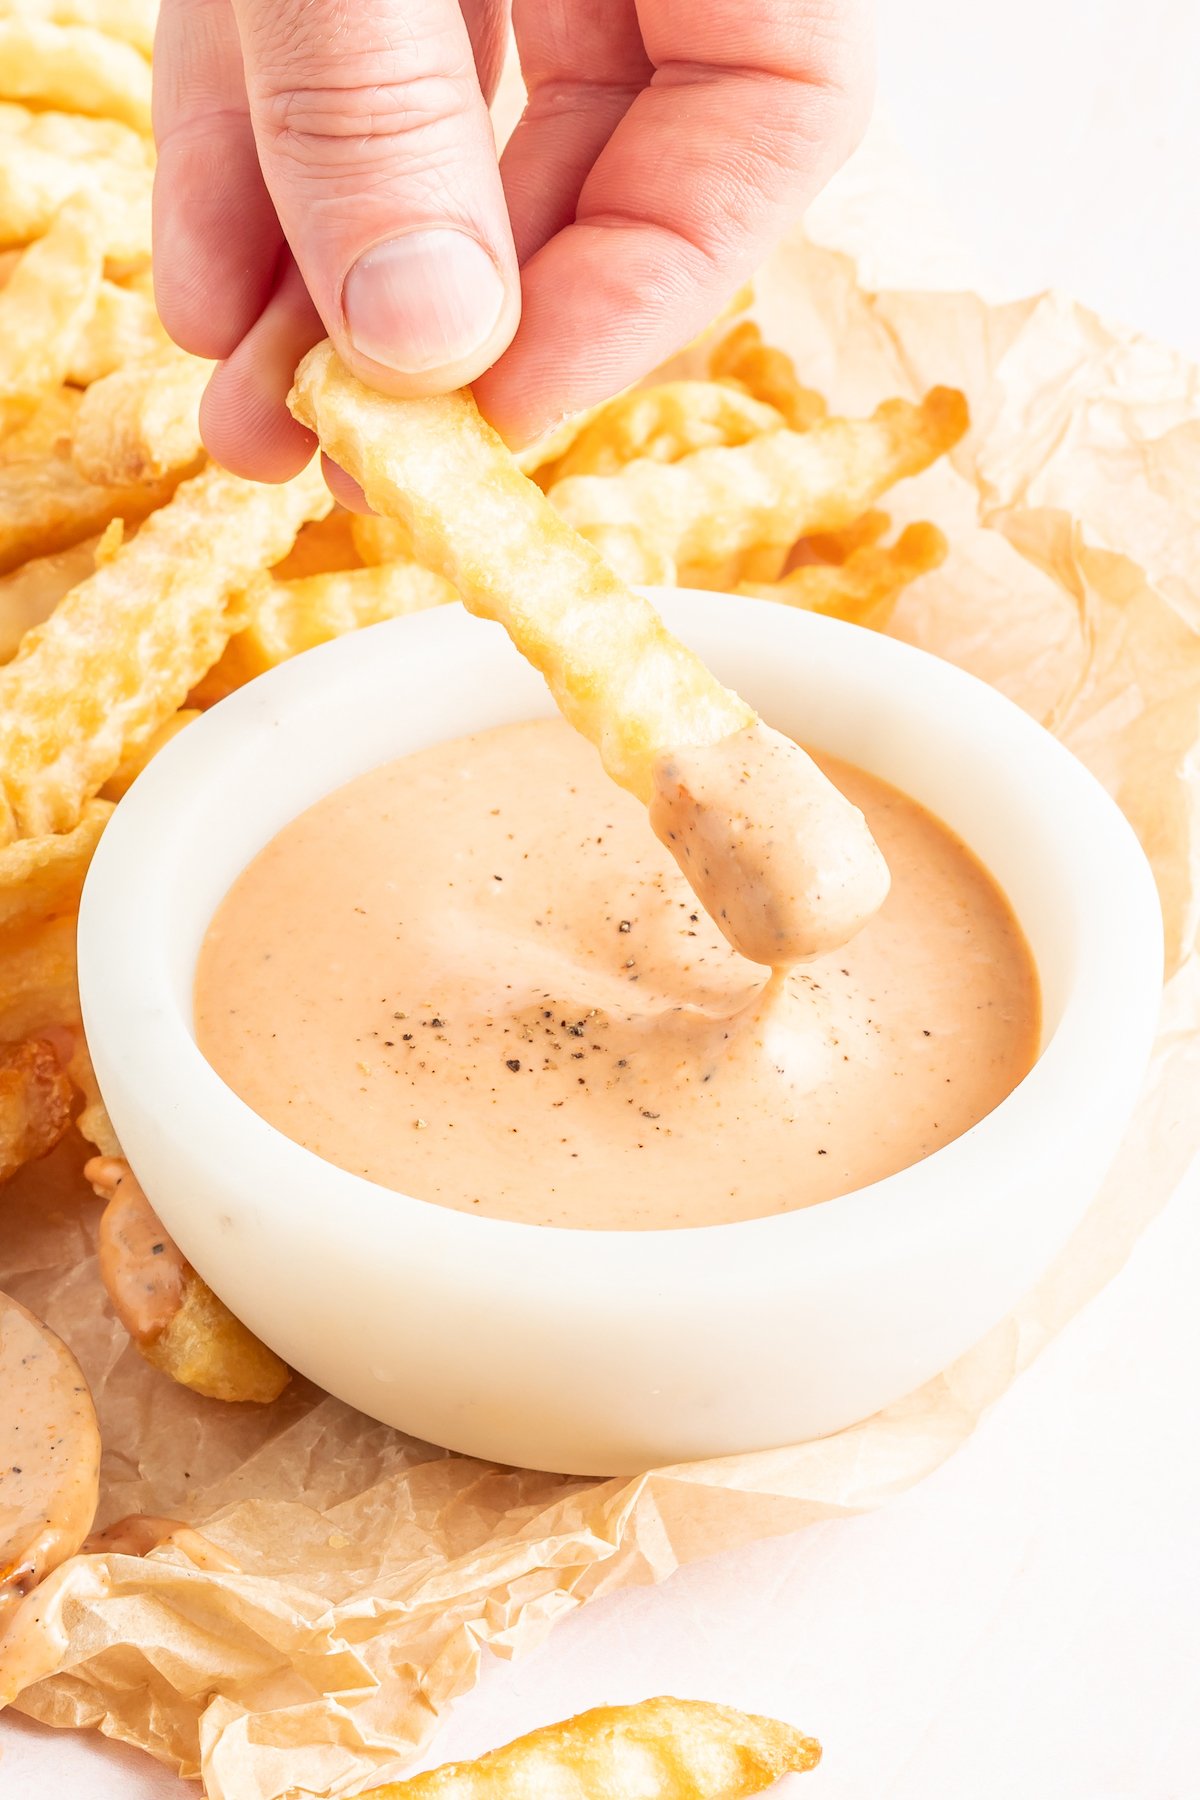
1023 1626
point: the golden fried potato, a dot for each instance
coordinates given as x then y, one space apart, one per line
75 68
41 878
630 557
379 540
143 421
321 548
30 593
46 506
39 988
615 671
718 503
769 374
119 654
865 587
285 617
173 1317
122 327
36 1103
50 293
838 546
657 1750
46 431
131 20
35 183
665 423
49 1454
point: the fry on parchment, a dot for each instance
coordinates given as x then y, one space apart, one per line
769 374
863 587
778 487
119 654
657 1750
173 1317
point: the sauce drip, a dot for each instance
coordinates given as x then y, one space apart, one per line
474 976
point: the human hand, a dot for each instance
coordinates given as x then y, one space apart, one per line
328 167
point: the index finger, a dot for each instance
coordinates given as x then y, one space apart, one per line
748 111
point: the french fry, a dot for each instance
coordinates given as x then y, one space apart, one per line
719 503
36 183
630 557
141 422
321 548
614 670
767 373
117 657
121 328
74 136
74 68
38 987
30 593
36 1103
660 1749
837 546
47 507
173 1317
43 304
45 431
132 21
866 586
664 423
722 788
41 878
286 617
379 540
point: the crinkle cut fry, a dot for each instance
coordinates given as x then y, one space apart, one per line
778 487
172 1315
660 1749
74 68
119 654
43 305
46 506
142 421
615 672
122 327
131 20
865 586
36 1103
36 182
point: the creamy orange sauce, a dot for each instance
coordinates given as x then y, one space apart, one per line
475 976
143 1271
49 1453
774 851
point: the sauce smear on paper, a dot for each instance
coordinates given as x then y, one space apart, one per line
475 976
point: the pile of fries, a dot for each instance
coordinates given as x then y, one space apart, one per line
140 583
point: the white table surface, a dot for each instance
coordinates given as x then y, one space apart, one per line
1023 1624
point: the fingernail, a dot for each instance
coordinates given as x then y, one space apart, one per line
423 300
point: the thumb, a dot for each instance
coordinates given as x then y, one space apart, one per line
377 151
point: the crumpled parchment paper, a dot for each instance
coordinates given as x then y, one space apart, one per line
340 1582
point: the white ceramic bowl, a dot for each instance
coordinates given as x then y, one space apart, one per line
599 1352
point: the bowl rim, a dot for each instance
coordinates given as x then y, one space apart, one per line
126 1020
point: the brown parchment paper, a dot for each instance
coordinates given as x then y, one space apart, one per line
340 1582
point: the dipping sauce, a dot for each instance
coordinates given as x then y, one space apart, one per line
475 976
